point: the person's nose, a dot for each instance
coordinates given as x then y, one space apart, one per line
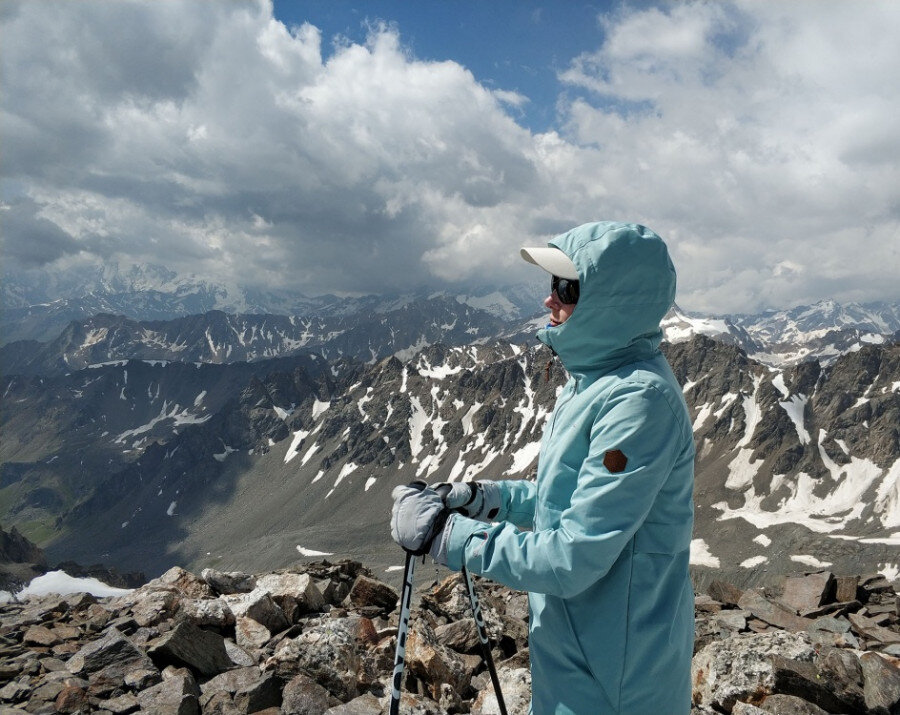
552 300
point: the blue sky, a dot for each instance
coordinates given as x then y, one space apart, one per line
515 46
372 147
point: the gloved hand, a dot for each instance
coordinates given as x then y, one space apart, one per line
478 500
418 520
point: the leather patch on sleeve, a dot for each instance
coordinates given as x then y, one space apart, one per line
615 460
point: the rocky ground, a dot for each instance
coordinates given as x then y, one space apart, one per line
320 638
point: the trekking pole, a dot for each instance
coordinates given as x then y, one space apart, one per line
483 639
402 632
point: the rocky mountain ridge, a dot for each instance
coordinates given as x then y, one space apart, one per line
46 308
239 466
320 638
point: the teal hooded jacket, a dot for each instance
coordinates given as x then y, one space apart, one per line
601 538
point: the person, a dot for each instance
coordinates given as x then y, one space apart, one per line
601 538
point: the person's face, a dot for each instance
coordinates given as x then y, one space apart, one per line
559 311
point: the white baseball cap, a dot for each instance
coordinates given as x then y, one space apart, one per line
552 260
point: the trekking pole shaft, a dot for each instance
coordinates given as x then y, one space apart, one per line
402 632
483 639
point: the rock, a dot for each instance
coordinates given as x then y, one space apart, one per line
802 679
363 705
154 606
141 678
840 670
706 604
232 680
789 705
190 646
881 684
258 605
218 703
732 619
304 696
48 691
113 652
876 583
725 593
249 634
15 691
263 693
207 612
186 583
517 606
40 635
804 593
515 684
746 709
72 699
868 628
845 588
434 663
369 592
237 654
229 582
740 666
461 636
770 612
177 694
121 705
248 688
299 587
326 651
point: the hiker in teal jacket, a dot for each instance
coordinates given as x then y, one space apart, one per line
601 539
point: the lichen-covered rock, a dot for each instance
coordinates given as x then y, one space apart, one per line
328 652
204 612
515 684
740 667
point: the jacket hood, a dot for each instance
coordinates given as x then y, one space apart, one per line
627 284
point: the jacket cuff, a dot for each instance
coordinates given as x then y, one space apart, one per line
457 538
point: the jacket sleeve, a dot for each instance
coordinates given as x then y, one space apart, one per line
518 498
605 509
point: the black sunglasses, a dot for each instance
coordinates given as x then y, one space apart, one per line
566 289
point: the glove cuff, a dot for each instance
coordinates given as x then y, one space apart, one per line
486 501
438 550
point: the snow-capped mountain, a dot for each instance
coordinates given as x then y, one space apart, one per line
38 305
41 305
215 337
230 438
147 464
821 332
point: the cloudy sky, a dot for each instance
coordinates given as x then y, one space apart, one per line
370 146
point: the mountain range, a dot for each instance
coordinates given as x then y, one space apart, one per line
246 441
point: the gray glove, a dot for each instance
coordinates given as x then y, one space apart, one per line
476 500
417 520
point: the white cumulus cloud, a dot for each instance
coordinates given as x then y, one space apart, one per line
759 138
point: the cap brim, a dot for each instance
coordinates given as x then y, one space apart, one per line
552 260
